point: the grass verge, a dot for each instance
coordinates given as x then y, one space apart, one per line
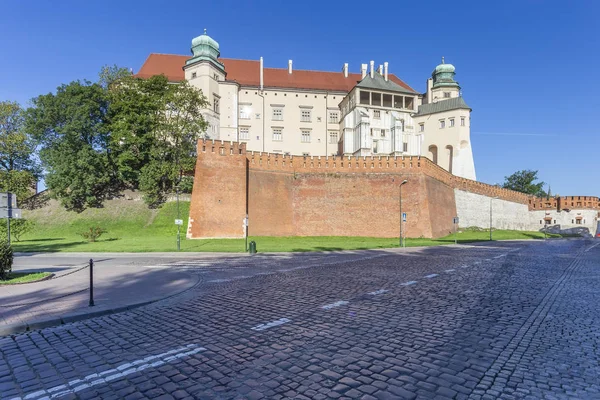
24 277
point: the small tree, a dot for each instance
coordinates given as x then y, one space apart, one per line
6 260
93 233
20 227
524 182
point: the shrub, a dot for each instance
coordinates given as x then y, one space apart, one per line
93 234
19 227
6 260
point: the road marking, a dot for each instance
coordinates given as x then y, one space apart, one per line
103 377
464 266
380 291
219 280
488 259
268 325
431 276
589 248
501 255
408 283
450 270
333 305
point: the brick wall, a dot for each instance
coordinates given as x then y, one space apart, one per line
325 196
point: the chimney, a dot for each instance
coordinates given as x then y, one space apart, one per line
380 69
429 90
372 69
261 75
363 70
345 69
290 67
385 70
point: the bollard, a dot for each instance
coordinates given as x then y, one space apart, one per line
91 283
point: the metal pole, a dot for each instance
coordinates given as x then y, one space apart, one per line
91 283
8 212
178 226
491 218
246 231
455 238
401 214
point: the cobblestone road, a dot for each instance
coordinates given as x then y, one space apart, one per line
507 320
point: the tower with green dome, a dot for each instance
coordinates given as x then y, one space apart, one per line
442 84
205 48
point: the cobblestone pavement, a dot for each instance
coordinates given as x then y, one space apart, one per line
503 320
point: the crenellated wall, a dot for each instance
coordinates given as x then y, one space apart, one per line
337 196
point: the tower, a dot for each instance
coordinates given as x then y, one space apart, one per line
443 84
204 71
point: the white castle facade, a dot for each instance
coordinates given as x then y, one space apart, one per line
317 113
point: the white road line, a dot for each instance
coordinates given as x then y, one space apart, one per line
464 266
408 283
88 381
500 256
333 305
219 280
450 270
589 248
268 325
377 292
431 276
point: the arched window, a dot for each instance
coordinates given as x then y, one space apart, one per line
449 154
433 153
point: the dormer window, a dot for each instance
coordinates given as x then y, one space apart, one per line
446 95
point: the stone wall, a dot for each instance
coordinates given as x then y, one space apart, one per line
474 211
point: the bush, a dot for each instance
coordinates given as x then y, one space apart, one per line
6 260
19 227
93 234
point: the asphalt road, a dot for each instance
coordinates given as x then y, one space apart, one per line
506 320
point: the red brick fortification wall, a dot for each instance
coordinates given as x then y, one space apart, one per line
218 203
322 196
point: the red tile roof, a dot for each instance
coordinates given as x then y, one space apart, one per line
247 73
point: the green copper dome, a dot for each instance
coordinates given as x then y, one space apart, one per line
443 75
205 48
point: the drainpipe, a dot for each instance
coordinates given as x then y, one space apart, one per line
263 103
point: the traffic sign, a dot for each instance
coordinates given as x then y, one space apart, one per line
14 213
4 200
178 222
455 220
403 217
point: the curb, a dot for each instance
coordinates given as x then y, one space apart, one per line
18 328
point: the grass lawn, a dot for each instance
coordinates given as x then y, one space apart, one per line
23 277
131 228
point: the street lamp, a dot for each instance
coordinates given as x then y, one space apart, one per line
493 198
401 219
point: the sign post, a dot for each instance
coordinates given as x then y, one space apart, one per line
245 227
402 235
8 210
455 220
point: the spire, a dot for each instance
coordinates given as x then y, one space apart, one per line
442 56
205 34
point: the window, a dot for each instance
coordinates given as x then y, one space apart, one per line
245 112
462 121
193 75
408 103
305 115
333 117
451 122
374 146
216 77
442 123
387 100
277 134
383 133
305 138
405 147
306 154
365 97
277 114
376 99
333 137
446 95
398 102
216 102
578 221
376 114
244 133
422 127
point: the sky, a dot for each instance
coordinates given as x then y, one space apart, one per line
527 68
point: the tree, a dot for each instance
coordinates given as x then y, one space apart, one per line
155 129
18 168
524 182
70 127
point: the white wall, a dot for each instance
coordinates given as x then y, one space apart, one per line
474 210
565 221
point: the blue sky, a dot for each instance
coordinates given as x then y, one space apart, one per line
528 68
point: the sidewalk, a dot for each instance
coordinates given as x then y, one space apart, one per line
65 298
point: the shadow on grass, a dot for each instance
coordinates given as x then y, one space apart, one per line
40 240
24 247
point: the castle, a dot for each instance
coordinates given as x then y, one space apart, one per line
317 113
311 153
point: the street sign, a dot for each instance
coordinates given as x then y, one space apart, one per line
4 200
455 221
245 221
14 213
403 217
178 222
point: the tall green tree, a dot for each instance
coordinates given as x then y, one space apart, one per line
70 127
18 167
524 181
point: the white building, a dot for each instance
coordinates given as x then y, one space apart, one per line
317 113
